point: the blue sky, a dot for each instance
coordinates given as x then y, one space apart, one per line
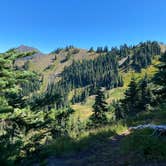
48 24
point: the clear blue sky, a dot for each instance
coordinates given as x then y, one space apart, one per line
48 24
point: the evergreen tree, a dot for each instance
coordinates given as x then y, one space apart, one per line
160 78
99 109
143 54
105 49
130 102
91 49
119 114
99 50
138 97
55 57
145 97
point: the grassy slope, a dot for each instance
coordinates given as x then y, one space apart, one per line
85 110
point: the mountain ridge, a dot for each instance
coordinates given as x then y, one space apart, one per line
24 48
52 65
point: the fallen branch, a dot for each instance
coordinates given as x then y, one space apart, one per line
159 130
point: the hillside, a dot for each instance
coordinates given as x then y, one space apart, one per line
41 62
76 106
51 66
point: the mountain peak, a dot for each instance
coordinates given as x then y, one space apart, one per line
24 48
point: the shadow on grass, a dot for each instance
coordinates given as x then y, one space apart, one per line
156 117
142 147
69 148
65 146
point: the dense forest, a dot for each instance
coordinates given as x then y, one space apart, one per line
92 74
104 70
37 123
101 72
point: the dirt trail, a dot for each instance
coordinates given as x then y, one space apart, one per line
105 153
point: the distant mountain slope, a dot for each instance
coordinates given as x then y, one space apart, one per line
23 48
37 58
50 66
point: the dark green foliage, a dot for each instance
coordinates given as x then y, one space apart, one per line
119 113
61 91
55 57
106 49
7 143
60 125
91 49
160 79
141 60
31 85
99 50
80 97
16 87
145 98
129 103
143 55
10 99
12 81
102 49
99 109
49 99
124 51
15 128
68 48
138 98
57 51
143 147
139 56
102 71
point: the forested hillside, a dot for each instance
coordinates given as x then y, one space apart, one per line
60 103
